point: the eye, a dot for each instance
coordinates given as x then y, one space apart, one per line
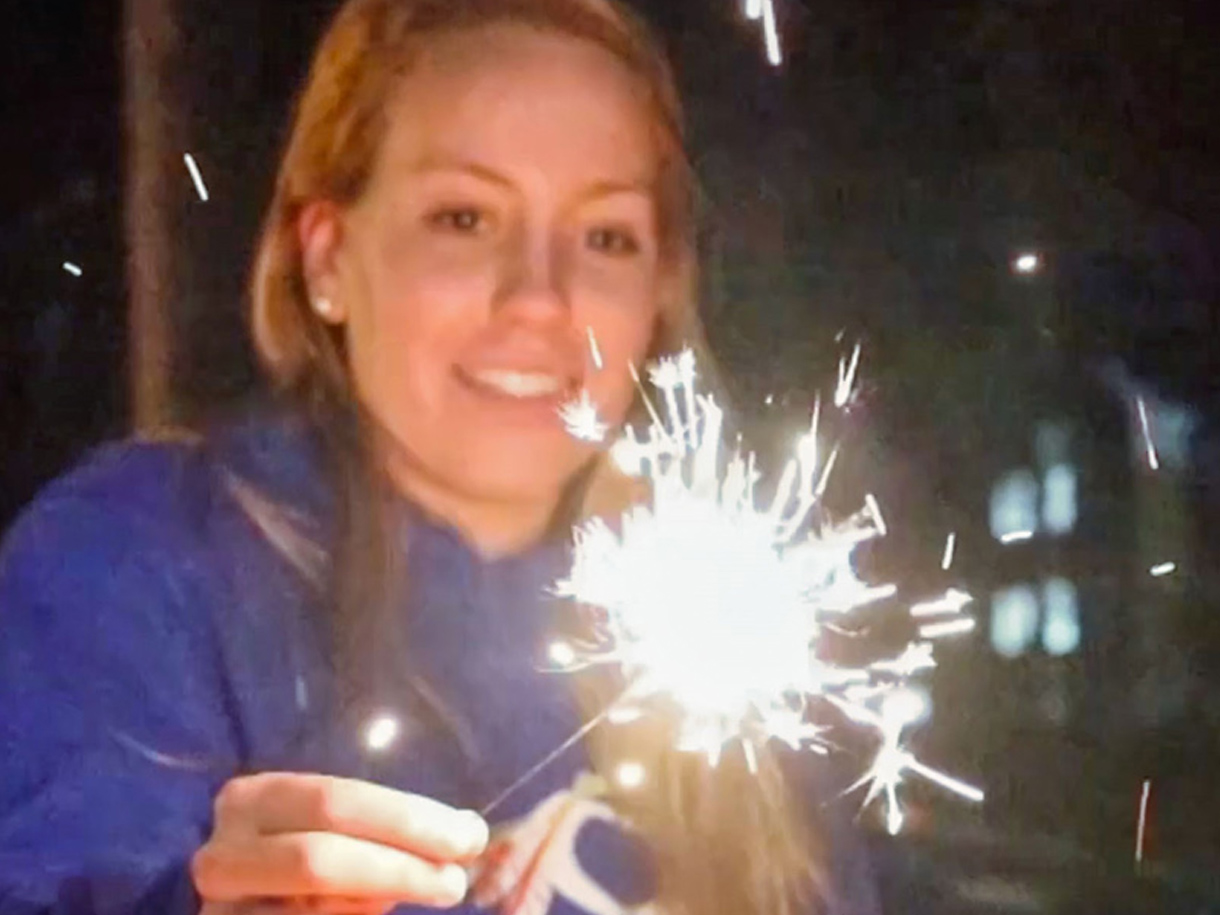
460 220
612 240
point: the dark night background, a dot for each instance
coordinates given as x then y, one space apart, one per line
878 186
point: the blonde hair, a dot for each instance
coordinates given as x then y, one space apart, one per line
725 839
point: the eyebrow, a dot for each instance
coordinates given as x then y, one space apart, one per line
599 189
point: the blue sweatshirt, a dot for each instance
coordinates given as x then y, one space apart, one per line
154 644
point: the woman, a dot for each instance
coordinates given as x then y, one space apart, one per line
278 667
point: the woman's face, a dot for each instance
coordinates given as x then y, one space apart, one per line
510 214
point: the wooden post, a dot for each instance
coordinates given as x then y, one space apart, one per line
152 39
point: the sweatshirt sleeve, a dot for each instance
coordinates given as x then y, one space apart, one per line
114 735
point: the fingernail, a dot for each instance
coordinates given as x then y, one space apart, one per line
477 832
453 882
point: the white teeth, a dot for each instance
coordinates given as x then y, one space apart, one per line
521 384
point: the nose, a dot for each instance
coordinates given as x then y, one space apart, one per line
534 283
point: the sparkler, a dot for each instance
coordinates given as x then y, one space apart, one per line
763 11
1154 462
714 598
196 177
950 547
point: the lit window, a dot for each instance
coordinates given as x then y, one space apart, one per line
1059 499
1052 443
1061 617
1014 504
1014 620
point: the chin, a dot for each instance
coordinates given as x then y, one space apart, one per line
522 474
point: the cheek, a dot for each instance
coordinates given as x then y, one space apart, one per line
406 336
624 340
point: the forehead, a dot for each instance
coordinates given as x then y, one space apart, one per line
531 103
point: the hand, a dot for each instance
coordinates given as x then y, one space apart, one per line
284 842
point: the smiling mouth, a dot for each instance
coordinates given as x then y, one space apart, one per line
521 385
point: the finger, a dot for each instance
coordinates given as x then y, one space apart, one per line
342 905
293 865
289 803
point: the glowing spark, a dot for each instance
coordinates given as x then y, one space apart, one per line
381 732
893 760
73 269
915 659
196 177
771 33
1027 263
624 714
1163 569
630 775
1142 822
1016 537
770 400
906 705
952 602
947 628
874 510
950 547
713 597
582 420
561 654
1154 462
595 352
847 378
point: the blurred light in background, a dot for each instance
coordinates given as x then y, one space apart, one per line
1059 499
1014 504
1014 620
1060 618
1027 263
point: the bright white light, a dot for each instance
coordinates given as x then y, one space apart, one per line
1027 263
381 732
561 654
630 775
951 602
907 705
1165 568
73 268
1016 537
714 595
196 177
950 547
771 33
582 420
946 629
624 714
847 378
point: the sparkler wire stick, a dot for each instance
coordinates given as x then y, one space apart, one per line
577 736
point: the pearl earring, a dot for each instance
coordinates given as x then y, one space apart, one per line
324 307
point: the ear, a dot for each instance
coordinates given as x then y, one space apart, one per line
320 235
